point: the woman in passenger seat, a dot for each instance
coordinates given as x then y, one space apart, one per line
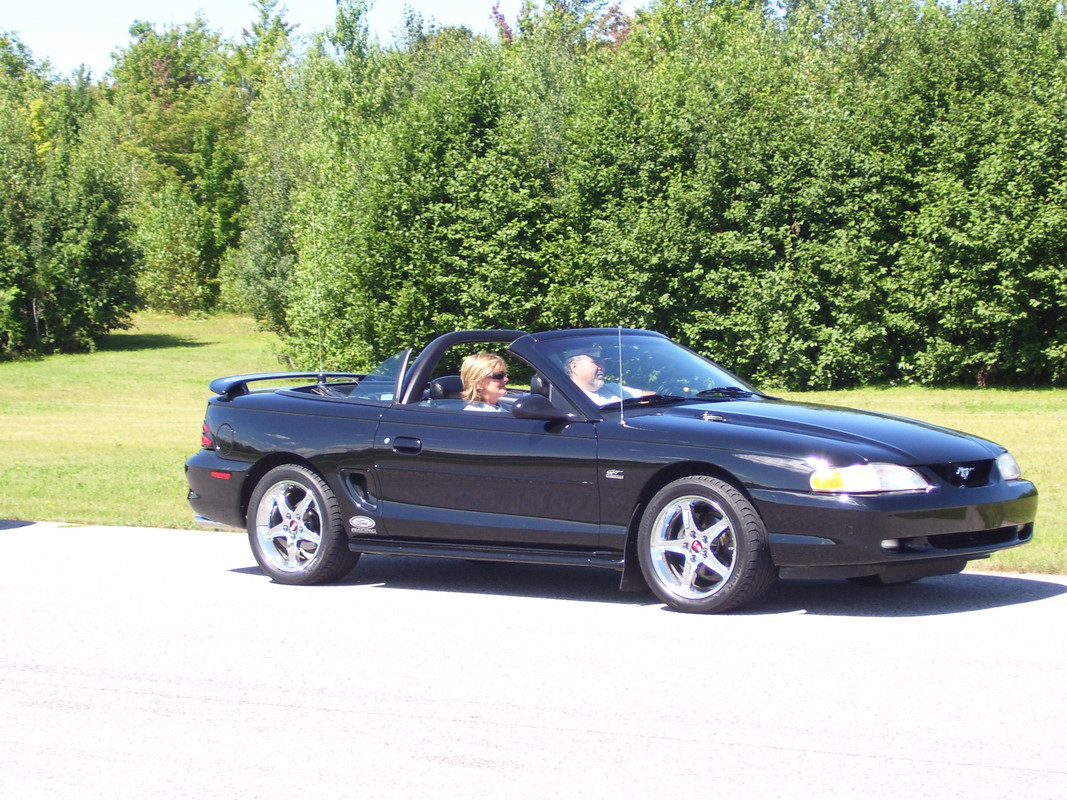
485 379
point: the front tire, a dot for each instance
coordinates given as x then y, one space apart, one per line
295 530
703 547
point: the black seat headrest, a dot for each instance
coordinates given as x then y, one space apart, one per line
539 384
447 387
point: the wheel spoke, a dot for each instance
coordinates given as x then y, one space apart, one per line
689 525
281 501
690 574
309 536
677 546
713 563
302 507
715 531
272 533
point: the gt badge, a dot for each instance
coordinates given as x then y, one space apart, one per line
614 474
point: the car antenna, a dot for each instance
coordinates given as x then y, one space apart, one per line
318 296
622 405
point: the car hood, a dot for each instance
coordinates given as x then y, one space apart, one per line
815 430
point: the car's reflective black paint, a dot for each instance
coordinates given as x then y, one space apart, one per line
563 480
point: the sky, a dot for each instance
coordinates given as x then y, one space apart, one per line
70 33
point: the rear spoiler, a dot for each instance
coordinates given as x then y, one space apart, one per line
237 385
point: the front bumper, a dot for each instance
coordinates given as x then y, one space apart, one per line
898 536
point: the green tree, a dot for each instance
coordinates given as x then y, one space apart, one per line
84 276
818 195
66 273
256 277
187 121
984 262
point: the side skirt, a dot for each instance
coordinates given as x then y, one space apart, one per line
472 552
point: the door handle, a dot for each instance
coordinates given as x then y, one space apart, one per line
407 444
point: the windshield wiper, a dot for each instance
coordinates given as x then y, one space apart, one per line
725 391
644 400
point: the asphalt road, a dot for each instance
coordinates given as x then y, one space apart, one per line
143 663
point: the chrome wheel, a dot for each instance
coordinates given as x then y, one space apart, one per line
289 526
702 546
294 528
692 546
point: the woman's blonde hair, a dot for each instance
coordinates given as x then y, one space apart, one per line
475 369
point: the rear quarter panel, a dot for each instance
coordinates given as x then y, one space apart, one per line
257 432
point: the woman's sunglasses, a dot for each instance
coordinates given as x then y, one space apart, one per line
498 376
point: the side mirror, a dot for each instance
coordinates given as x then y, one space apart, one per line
537 406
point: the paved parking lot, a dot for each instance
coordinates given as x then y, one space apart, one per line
143 663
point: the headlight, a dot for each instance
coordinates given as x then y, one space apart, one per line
1009 467
866 479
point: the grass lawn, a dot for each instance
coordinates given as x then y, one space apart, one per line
101 438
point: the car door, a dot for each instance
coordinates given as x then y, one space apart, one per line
467 476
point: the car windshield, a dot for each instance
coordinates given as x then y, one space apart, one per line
619 367
381 382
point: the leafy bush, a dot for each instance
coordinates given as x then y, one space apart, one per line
66 260
870 194
855 192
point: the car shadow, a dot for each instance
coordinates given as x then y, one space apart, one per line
487 577
947 594
11 524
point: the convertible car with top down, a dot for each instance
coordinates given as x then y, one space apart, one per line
623 450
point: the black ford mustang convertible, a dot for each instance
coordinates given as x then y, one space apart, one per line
627 451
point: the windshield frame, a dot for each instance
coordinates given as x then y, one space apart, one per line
630 355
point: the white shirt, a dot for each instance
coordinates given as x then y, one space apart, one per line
479 406
610 393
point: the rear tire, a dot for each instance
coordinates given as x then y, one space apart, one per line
703 547
295 529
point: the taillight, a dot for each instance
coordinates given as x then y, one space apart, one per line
205 437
